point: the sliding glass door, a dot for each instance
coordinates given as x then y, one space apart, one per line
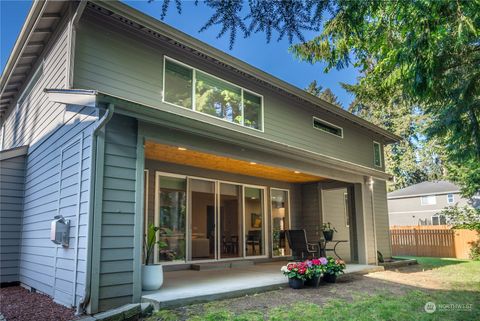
254 222
170 217
280 221
205 220
230 222
203 210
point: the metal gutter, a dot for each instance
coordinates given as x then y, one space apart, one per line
162 28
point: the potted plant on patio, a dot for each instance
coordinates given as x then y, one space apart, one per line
333 269
152 274
297 273
317 267
328 230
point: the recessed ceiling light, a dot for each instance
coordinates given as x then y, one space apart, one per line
296 172
253 163
182 148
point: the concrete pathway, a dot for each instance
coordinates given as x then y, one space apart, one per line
188 287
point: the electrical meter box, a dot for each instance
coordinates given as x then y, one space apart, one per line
60 230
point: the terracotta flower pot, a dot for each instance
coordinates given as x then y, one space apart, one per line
295 283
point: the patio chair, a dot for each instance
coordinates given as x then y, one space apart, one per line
301 249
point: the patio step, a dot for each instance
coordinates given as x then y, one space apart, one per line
221 265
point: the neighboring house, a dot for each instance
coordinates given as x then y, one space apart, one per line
421 203
113 121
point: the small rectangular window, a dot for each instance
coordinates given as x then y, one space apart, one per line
428 200
327 127
450 199
377 154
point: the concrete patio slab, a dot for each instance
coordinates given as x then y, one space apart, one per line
187 287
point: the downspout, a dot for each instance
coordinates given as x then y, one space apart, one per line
93 182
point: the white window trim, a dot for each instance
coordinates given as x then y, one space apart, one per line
194 107
426 204
380 154
271 214
437 216
448 198
328 124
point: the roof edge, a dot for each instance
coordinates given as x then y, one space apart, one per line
35 12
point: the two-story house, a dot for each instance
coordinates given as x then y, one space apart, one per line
112 120
421 204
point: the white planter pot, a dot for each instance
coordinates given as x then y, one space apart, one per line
152 277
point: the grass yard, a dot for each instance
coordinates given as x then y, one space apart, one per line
401 294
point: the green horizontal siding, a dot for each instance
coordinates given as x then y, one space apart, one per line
129 65
118 218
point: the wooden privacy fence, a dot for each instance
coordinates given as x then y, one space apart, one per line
432 240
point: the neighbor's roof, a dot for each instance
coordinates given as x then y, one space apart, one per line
425 188
146 24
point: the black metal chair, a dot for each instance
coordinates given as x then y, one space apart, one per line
301 249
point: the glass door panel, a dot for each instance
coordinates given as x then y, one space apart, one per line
254 221
230 221
280 221
203 219
171 218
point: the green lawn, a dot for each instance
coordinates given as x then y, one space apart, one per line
457 282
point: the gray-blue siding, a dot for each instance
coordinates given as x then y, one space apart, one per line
57 183
12 175
118 214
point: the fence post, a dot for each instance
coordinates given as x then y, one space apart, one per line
415 234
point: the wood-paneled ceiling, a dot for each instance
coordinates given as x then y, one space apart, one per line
172 154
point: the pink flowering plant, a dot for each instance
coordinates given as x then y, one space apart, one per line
334 266
297 270
305 270
317 266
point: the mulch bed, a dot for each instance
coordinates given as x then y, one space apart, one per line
18 304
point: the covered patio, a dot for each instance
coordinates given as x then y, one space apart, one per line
215 282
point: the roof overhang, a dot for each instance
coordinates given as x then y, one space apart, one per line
13 152
39 26
157 115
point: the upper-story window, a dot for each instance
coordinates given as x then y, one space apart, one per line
450 198
327 127
188 87
428 200
377 154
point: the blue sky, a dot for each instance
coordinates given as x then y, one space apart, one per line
273 58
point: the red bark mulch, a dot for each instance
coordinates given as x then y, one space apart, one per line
18 304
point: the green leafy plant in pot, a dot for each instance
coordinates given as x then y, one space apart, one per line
328 231
152 274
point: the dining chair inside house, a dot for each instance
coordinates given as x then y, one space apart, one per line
254 239
301 248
